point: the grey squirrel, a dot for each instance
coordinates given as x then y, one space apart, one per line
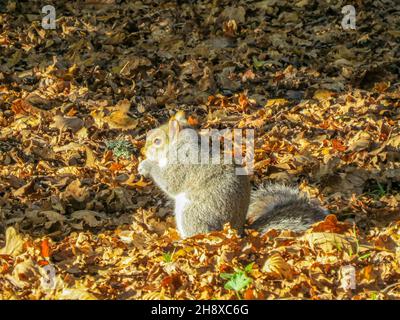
208 195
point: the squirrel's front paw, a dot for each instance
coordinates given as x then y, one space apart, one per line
144 168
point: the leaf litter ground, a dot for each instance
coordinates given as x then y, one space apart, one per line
78 222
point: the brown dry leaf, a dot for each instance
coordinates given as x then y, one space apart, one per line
25 189
100 1
75 193
72 146
15 58
90 217
361 141
67 123
234 13
53 216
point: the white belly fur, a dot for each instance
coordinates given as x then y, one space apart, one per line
180 203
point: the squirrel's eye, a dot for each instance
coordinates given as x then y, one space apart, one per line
157 141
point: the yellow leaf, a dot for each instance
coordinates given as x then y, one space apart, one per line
90 158
323 94
325 151
278 267
26 121
69 170
75 294
14 243
330 242
121 118
156 295
276 102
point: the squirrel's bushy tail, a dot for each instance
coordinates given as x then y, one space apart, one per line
277 206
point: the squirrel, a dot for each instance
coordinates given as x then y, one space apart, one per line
208 195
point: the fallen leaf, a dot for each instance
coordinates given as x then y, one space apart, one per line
45 248
88 216
330 242
75 294
278 267
67 123
14 243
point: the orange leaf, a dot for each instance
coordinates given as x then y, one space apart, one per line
325 124
43 263
243 101
72 112
249 294
331 224
4 268
21 106
367 273
107 156
249 74
224 268
173 282
166 281
210 100
45 248
115 166
338 145
28 244
193 121
381 86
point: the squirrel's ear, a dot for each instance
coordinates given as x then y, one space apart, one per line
173 129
